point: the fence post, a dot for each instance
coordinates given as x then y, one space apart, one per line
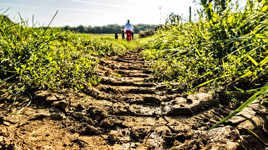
190 14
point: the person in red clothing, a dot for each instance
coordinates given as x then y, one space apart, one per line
129 30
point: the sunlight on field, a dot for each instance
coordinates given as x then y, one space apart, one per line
186 84
95 36
109 39
103 36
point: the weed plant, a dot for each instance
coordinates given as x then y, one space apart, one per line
228 49
47 58
220 50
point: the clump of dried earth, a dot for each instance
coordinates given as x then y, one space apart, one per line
129 111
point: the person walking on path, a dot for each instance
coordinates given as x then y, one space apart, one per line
123 34
116 36
128 29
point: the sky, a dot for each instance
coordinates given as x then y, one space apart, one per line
94 12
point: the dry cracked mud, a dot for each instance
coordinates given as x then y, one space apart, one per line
129 111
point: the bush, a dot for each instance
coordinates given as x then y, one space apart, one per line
147 33
227 49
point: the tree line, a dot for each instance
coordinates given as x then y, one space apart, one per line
111 28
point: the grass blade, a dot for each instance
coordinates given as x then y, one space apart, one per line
262 91
252 60
264 61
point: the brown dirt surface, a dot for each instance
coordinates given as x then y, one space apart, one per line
127 110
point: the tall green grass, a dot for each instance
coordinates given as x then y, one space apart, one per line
228 49
47 58
254 97
109 44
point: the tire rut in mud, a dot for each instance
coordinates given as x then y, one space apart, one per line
127 110
146 115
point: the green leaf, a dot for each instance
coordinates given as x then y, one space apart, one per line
249 73
198 52
239 89
207 82
253 61
264 61
254 97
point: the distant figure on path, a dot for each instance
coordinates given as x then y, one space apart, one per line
128 29
116 36
123 34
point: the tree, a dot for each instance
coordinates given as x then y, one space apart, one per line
66 28
217 6
111 28
81 29
173 19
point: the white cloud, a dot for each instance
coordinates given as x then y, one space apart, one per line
98 12
97 3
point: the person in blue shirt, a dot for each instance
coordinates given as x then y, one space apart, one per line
128 30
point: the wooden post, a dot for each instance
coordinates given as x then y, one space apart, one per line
190 14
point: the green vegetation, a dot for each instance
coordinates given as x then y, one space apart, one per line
110 37
227 49
45 58
107 45
112 28
146 33
258 94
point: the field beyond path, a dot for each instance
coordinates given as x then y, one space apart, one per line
125 111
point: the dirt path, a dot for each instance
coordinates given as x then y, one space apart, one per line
125 111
